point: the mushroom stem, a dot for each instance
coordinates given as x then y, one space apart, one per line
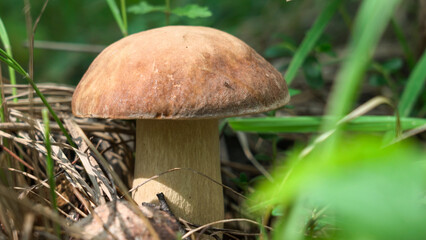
162 145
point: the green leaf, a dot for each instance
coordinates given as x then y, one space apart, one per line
192 11
284 49
373 192
267 136
393 65
241 181
312 72
377 80
278 211
144 8
262 157
414 87
293 92
325 47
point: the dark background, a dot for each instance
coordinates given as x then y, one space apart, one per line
259 23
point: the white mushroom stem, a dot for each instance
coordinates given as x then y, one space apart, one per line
162 145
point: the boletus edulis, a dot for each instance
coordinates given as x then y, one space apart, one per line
177 82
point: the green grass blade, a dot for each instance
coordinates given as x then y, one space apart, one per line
276 124
4 38
6 58
311 38
50 166
370 23
167 12
52 112
414 87
11 62
124 16
305 124
117 16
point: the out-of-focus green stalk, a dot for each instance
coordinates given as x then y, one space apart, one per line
2 117
50 166
119 18
167 12
371 21
346 17
5 40
124 17
413 89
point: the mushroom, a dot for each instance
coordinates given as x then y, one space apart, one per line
177 82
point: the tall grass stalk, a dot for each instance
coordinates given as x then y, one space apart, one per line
311 38
167 12
4 38
121 19
370 23
346 17
50 166
124 16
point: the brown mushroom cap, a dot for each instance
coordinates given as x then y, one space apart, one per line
178 72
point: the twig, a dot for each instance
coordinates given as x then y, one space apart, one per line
244 144
165 207
240 166
63 46
44 184
28 226
16 157
43 86
408 134
40 210
222 221
359 111
189 225
204 231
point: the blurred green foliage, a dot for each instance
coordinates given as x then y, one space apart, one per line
364 190
190 10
